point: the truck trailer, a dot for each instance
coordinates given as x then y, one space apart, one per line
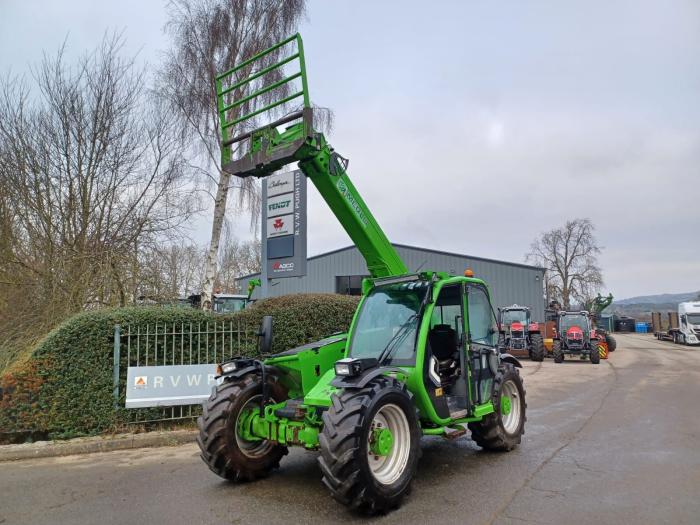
682 327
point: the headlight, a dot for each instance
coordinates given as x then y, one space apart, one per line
342 369
351 366
227 368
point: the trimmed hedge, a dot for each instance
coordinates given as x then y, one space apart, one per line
300 319
65 388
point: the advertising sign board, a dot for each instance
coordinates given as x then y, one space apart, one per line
172 385
284 225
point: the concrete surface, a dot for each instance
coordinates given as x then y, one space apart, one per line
613 443
89 445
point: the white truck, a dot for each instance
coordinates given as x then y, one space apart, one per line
689 323
683 328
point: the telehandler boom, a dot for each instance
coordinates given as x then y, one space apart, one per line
420 357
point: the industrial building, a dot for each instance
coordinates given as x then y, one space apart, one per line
342 271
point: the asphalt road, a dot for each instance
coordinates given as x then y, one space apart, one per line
613 443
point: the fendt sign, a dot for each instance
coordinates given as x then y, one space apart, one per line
284 225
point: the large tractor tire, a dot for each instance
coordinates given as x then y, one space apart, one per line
503 429
557 352
370 445
612 343
594 356
536 347
224 451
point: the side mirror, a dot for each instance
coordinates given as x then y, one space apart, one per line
265 335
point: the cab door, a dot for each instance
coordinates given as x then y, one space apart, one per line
481 342
445 373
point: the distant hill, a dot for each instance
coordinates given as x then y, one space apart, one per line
641 307
661 298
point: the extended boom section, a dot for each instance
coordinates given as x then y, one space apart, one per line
261 151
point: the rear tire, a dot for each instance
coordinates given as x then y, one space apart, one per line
226 453
557 352
356 476
536 347
612 343
500 431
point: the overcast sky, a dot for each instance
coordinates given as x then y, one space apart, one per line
474 126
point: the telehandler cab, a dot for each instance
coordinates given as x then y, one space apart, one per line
420 357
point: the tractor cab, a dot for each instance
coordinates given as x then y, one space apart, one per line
225 303
518 334
574 336
514 323
514 314
575 328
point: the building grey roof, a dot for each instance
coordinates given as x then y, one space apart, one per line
408 246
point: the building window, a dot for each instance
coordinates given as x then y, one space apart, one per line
349 284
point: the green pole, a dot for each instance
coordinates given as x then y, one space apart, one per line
302 65
115 378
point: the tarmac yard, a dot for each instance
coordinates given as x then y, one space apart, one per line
614 443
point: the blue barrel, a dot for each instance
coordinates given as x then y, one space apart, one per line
640 327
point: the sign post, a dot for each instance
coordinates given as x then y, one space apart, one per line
283 227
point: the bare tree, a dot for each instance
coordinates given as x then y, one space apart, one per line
92 169
170 272
209 37
236 259
570 256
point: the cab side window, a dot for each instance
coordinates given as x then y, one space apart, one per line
448 309
481 324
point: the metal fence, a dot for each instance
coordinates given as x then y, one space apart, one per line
178 343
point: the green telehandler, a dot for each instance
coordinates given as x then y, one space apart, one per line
598 304
420 357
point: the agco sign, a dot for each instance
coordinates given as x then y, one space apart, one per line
282 267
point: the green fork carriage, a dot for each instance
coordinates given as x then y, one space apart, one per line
420 357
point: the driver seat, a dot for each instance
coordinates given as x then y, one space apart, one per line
443 345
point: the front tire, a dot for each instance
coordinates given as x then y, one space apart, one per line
594 356
612 343
557 352
363 466
224 451
536 347
503 429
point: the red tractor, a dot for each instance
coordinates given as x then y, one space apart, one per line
574 336
518 334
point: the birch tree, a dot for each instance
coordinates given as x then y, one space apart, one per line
209 37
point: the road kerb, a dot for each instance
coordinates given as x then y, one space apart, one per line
47 449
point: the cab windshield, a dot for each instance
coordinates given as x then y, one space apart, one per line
388 320
224 305
693 318
567 321
512 316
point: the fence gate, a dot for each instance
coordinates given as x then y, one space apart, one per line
171 353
